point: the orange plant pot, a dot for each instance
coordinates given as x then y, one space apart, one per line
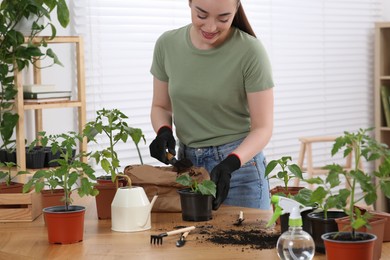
377 228
14 187
107 190
356 250
65 227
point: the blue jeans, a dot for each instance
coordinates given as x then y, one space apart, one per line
248 186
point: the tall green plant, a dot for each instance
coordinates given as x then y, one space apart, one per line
287 170
71 174
16 53
112 124
365 148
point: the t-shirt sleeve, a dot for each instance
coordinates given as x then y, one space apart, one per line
257 70
158 65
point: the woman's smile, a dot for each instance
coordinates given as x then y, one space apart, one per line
208 36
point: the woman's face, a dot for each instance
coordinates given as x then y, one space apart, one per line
211 20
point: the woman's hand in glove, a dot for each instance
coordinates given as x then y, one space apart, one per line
164 141
221 175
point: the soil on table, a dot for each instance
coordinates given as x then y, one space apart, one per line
246 236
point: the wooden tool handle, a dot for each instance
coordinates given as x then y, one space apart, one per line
181 230
170 156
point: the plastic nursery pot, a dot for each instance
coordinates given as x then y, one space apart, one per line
107 190
339 245
35 159
64 227
377 224
320 226
195 206
14 187
52 198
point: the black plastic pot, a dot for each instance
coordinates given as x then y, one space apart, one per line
195 206
3 155
306 223
320 226
35 158
11 157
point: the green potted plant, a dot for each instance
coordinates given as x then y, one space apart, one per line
196 200
365 148
287 171
111 124
65 223
16 53
329 203
8 185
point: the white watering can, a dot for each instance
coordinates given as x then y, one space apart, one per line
130 209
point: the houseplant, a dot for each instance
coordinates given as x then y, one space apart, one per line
9 186
196 200
65 223
329 203
287 172
112 125
16 53
365 148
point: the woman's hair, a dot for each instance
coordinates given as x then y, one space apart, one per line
241 22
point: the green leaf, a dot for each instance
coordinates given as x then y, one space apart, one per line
184 180
62 13
207 187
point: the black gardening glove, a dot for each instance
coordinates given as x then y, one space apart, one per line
221 175
164 141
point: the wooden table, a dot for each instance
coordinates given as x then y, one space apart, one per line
29 240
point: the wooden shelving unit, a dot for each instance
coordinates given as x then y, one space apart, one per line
21 106
382 78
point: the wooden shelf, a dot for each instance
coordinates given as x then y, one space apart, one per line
29 106
381 78
79 102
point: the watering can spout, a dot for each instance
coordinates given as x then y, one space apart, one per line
145 219
152 202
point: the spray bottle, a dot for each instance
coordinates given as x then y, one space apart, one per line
295 244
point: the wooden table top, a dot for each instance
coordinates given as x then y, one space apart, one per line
29 240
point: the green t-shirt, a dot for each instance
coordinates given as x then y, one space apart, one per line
208 87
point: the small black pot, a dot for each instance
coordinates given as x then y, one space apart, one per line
195 206
11 157
306 223
3 155
50 156
35 158
320 226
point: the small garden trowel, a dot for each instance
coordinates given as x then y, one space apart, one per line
181 165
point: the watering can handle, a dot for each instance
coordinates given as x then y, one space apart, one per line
125 176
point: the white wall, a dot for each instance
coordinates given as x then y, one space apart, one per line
386 10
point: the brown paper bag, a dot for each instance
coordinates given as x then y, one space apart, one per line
161 181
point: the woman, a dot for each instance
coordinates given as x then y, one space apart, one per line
213 77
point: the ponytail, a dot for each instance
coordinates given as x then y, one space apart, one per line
241 22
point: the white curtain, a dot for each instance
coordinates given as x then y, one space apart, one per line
321 52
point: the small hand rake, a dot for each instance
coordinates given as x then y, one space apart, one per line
158 239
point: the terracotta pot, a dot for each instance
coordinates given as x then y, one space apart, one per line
107 190
386 235
377 228
14 187
356 250
52 198
195 206
65 227
386 232
320 226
